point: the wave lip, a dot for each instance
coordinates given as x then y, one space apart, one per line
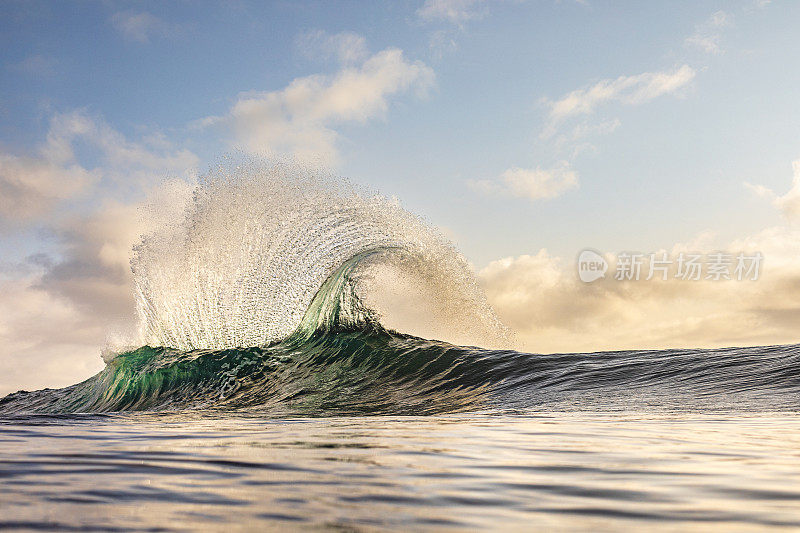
257 243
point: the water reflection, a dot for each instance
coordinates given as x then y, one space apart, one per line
557 470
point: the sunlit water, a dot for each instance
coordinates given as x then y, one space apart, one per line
554 470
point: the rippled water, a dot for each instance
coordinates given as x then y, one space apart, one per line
729 470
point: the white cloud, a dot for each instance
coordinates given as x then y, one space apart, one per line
574 140
586 129
44 341
455 14
789 203
533 184
32 187
441 43
140 26
300 118
454 11
346 47
144 161
631 90
707 36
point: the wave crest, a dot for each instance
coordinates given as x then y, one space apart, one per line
264 248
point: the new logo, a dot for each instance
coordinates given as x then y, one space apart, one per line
591 266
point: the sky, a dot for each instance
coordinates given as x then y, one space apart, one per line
526 131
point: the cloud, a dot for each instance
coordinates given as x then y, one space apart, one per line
33 187
132 162
630 90
442 42
44 341
300 119
789 203
346 47
542 299
454 14
573 140
567 128
533 184
586 129
707 36
453 11
551 310
140 26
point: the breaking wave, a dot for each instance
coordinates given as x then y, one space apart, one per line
259 242
280 289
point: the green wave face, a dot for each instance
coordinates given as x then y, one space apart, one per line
333 372
369 370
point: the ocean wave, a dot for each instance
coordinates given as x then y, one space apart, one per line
370 370
259 241
282 290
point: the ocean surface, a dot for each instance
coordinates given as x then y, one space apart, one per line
545 470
